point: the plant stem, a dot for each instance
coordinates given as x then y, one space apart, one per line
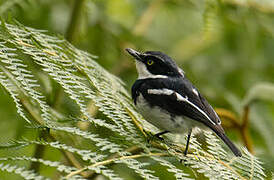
109 161
241 127
226 114
133 150
74 20
39 152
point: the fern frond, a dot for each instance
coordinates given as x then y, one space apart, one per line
12 90
214 145
178 173
249 166
102 143
138 168
86 155
21 171
23 80
60 167
63 64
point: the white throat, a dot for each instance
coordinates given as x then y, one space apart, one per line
143 73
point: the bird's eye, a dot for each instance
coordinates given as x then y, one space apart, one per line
150 62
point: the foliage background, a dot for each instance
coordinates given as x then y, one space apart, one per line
225 47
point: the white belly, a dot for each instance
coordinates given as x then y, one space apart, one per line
162 119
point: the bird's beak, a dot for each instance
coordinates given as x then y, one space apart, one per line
135 54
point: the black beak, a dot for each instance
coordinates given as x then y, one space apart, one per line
138 56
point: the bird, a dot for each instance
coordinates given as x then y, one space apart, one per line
169 101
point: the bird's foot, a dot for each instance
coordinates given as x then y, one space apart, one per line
149 136
183 161
152 137
158 136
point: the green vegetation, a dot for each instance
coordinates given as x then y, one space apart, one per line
65 78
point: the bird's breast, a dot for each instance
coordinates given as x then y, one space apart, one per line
162 118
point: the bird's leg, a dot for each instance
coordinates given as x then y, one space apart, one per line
187 142
159 134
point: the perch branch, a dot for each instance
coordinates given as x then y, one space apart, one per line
133 150
109 161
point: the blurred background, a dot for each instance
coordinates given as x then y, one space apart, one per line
225 47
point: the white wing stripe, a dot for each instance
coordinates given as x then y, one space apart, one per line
196 107
195 92
179 98
160 91
153 76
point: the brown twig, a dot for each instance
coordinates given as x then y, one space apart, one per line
244 130
240 125
226 114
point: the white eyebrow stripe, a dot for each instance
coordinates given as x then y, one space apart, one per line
168 92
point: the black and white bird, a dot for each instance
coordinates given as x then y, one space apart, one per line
168 100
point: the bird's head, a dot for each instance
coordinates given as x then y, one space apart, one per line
155 64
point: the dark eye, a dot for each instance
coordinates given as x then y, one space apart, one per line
150 62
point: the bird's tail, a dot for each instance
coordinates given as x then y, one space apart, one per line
233 148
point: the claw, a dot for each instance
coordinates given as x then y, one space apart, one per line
183 161
158 136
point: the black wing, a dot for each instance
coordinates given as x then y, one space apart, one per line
178 96
192 108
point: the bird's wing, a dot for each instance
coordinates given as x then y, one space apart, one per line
179 97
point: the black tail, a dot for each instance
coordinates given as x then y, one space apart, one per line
233 148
